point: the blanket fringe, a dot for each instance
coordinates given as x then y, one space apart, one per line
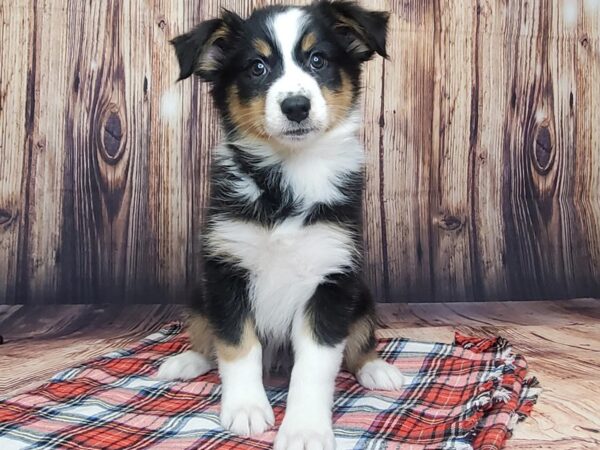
496 386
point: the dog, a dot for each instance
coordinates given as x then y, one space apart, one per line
282 239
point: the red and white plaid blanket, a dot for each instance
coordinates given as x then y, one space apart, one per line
467 395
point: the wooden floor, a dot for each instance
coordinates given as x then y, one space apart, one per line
561 341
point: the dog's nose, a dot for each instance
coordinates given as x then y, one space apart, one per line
296 107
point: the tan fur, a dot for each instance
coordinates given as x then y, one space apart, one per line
248 117
357 352
308 42
263 47
228 352
339 101
201 335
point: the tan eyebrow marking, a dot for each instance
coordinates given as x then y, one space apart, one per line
263 47
308 42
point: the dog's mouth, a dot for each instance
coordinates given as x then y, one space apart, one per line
298 133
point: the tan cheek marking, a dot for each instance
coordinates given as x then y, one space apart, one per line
308 42
228 352
339 101
358 339
248 117
263 47
201 335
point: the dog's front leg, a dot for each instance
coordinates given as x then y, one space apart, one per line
307 422
245 409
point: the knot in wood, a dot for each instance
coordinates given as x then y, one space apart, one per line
112 136
450 223
5 216
542 151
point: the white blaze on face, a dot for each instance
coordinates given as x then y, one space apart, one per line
287 29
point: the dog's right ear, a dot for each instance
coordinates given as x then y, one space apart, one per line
203 50
362 32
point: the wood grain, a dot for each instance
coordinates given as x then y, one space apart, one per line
560 339
482 132
16 95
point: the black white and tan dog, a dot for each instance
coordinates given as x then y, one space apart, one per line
282 240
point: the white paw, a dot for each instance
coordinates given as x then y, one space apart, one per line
378 374
304 433
247 419
184 366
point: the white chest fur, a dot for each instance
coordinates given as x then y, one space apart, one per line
286 263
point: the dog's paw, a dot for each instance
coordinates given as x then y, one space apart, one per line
378 374
184 366
247 418
304 433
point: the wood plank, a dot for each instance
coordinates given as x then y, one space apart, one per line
489 101
449 190
50 81
406 152
375 268
16 84
585 98
172 160
105 237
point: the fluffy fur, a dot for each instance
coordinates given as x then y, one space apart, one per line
282 240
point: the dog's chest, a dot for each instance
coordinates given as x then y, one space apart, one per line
285 264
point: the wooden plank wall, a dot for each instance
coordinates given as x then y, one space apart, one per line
482 132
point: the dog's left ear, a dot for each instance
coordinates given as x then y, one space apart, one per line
362 32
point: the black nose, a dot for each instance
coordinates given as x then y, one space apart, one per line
296 108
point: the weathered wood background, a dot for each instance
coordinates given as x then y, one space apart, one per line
482 133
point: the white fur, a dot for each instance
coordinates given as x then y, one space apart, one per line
379 374
287 29
313 171
307 421
184 366
245 409
286 263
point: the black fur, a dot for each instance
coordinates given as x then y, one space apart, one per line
274 205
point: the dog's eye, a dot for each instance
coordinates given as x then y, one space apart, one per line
317 61
258 68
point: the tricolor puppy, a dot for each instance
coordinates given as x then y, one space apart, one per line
282 241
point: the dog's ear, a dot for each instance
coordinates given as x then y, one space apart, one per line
203 50
362 32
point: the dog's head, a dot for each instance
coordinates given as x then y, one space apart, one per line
285 73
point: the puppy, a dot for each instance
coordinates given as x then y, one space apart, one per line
282 240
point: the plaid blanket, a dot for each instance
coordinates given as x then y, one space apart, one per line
463 396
